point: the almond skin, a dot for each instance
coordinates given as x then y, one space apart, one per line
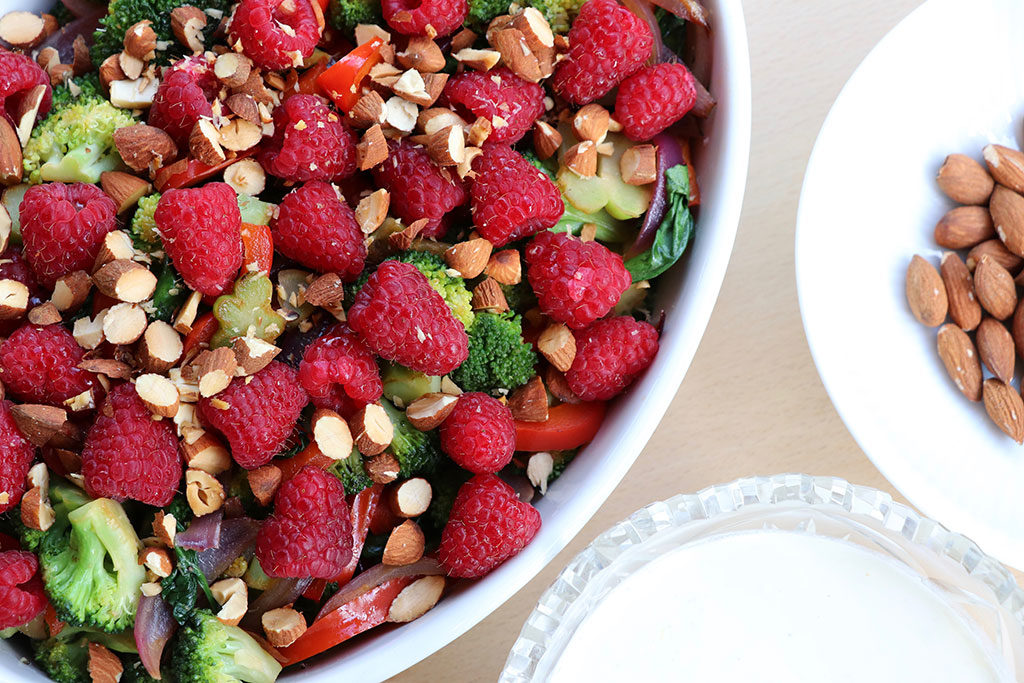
926 293
964 180
1005 407
961 360
963 227
1017 329
995 347
1006 166
995 288
999 253
1007 209
963 304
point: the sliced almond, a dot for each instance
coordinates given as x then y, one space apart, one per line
203 451
529 402
638 165
1007 208
963 304
558 345
215 367
204 493
409 498
24 29
13 299
158 394
995 288
239 135
125 280
114 369
926 293
124 188
372 210
447 147
488 296
470 258
480 60
187 314
88 332
416 599
160 348
1006 166
233 596
71 291
1005 407
430 410
187 24
36 511
995 347
38 422
332 434
405 544
10 154
371 429
232 69
264 482
124 323
283 626
382 469
253 354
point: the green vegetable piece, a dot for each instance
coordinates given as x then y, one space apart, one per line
344 15
674 232
108 38
406 385
418 453
255 211
255 577
207 651
352 473
559 13
482 11
181 589
12 197
85 86
144 233
606 190
451 287
247 312
170 293
498 356
65 657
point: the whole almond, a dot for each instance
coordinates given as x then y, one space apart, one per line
999 253
963 304
926 293
995 347
1005 407
1007 208
963 227
1017 329
1006 166
995 288
964 180
961 360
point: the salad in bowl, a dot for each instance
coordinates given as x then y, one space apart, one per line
303 303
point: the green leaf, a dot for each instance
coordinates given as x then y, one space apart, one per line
674 232
181 589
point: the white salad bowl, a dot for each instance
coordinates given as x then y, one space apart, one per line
687 294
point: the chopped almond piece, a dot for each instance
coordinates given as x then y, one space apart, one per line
487 296
463 39
104 665
437 118
124 323
410 498
371 429
481 60
165 528
264 482
124 188
187 315
117 244
372 210
539 469
405 545
157 560
430 410
639 165
332 434
558 345
581 158
13 299
382 469
283 626
470 258
447 147
36 511
591 123
71 291
233 596
204 493
529 402
246 176
368 110
252 354
421 54
38 422
160 347
187 24
505 267
203 451
372 150
215 369
403 239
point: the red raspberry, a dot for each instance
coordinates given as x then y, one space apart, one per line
62 227
275 34
653 99
40 365
419 188
411 17
18 75
261 413
310 532
479 434
488 524
317 229
498 92
403 319
512 198
339 372
575 282
609 356
183 97
202 232
21 590
128 454
17 456
607 43
309 143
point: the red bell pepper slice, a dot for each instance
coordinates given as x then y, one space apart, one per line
361 614
202 332
569 425
258 243
53 624
363 504
341 81
307 85
310 455
188 172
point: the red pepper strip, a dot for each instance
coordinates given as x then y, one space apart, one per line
383 520
310 455
307 84
258 243
341 81
569 425
361 614
202 332
53 624
188 172
362 505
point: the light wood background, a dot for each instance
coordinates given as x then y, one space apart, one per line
752 402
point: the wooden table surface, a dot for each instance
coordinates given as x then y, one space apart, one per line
752 402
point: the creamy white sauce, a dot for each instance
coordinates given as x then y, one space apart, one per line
771 606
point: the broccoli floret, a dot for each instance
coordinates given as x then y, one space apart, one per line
519 296
75 142
482 11
498 356
144 233
404 385
345 14
108 38
418 453
91 570
64 497
86 86
65 656
559 13
135 672
452 288
352 473
207 651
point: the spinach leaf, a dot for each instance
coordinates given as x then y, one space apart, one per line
181 589
674 232
673 31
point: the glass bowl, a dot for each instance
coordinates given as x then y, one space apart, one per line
983 591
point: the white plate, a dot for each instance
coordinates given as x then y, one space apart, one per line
948 79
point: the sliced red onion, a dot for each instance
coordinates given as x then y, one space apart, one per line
202 533
64 39
669 155
642 8
236 536
690 10
280 593
375 576
83 8
154 626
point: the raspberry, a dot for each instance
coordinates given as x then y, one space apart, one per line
40 365
317 229
128 454
511 198
275 34
202 233
653 99
261 413
309 143
411 17
17 456
18 75
339 372
183 97
609 356
498 92
575 282
21 590
419 188
310 532
479 434
62 228
488 524
403 319
607 43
